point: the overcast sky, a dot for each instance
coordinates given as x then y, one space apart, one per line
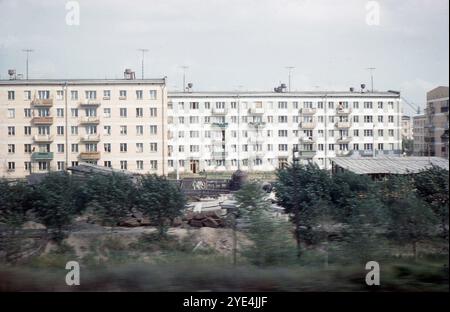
234 44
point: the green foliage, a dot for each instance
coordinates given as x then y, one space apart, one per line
432 187
15 203
54 201
110 197
303 191
271 237
407 146
161 199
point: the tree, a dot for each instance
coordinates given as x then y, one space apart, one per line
55 203
299 190
14 203
270 236
110 197
412 219
161 199
432 187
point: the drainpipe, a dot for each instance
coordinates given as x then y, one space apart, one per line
163 88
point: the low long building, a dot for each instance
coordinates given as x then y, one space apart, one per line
263 131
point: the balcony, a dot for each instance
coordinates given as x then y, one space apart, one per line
219 154
46 120
308 111
343 139
307 154
307 139
221 125
307 125
90 138
42 102
256 111
89 103
367 153
342 153
90 155
42 156
343 111
256 140
343 124
257 124
90 120
43 138
219 111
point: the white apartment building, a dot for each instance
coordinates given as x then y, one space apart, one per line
48 125
262 131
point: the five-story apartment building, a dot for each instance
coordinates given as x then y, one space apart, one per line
264 131
48 125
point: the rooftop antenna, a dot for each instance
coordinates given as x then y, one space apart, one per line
27 51
371 76
143 57
184 68
289 68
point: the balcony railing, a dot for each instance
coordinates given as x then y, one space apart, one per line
42 156
308 111
91 138
307 139
219 154
220 124
90 120
343 111
257 124
256 140
256 111
46 120
342 153
343 124
307 153
90 103
307 125
90 155
344 139
44 138
219 111
42 102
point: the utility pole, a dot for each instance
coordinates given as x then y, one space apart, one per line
289 68
371 76
27 51
184 67
143 57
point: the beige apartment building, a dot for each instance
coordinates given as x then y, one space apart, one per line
48 125
407 128
420 149
436 124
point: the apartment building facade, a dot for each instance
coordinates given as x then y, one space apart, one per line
48 125
407 128
263 131
436 125
420 148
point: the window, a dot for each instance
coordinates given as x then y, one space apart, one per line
107 163
139 130
74 95
153 147
106 94
139 94
27 112
154 164
107 112
282 105
11 113
43 166
380 105
74 148
368 105
139 112
59 94
153 129
355 118
27 148
390 118
282 133
27 165
60 130
107 130
139 164
282 119
391 132
152 94
60 112
282 147
122 94
139 147
123 112
74 130
60 148
107 147
91 95
74 112
194 105
43 94
153 112
11 166
11 148
61 165
368 132
11 95
123 147
123 165
11 130
27 95
380 118
123 130
368 119
74 163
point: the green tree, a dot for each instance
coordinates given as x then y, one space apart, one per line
303 191
412 219
15 203
110 197
55 201
161 199
432 187
271 238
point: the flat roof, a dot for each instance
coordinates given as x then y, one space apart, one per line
389 164
295 94
49 82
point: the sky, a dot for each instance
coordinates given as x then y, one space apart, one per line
235 44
